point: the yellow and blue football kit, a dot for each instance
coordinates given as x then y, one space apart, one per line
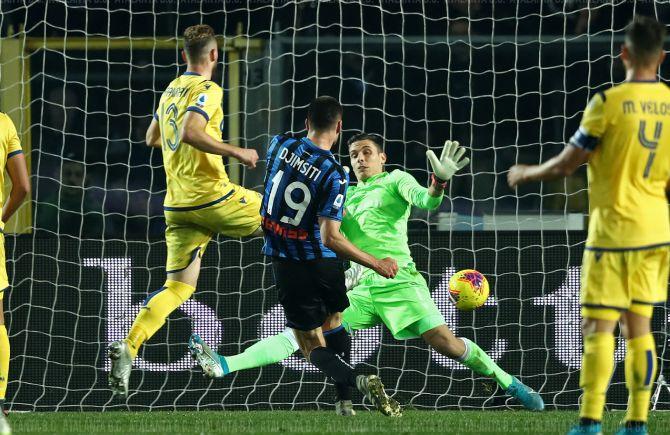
9 147
626 262
627 254
200 200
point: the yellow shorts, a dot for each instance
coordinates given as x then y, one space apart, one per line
190 230
616 281
4 281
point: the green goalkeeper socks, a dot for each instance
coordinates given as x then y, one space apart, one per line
479 362
267 351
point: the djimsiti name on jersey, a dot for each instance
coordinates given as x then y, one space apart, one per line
299 164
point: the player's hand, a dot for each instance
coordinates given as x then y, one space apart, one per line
387 267
248 157
516 175
352 276
450 162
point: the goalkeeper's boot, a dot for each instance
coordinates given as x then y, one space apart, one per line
633 429
372 388
344 408
4 425
213 365
122 364
528 397
584 429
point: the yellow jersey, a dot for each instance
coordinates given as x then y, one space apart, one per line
627 128
194 178
10 145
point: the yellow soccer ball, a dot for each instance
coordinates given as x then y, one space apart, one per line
468 289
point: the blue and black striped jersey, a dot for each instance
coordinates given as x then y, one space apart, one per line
302 183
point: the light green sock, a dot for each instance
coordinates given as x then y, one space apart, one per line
479 362
267 351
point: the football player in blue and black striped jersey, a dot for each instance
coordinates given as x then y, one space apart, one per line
305 189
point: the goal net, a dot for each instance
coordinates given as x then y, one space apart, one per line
509 80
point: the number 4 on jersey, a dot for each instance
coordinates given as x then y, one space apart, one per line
649 144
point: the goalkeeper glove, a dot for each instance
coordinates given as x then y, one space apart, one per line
449 162
353 275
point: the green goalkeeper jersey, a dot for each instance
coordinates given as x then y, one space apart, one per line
377 210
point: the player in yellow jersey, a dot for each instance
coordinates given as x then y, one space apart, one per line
200 199
625 138
13 160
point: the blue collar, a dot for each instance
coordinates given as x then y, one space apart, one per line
191 73
314 146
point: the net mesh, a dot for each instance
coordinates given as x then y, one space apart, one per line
509 80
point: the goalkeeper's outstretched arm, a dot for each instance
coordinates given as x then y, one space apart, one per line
450 161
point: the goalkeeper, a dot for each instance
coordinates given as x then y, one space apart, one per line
377 209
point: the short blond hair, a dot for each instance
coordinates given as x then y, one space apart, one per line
196 40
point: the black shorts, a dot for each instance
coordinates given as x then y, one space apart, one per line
310 290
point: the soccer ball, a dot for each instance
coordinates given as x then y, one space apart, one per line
468 289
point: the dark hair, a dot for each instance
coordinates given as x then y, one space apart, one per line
323 113
196 39
644 38
372 137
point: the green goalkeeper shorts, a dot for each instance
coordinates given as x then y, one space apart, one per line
403 304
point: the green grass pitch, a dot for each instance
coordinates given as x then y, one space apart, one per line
317 422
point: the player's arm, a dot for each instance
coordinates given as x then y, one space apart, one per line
330 211
333 239
450 162
575 153
667 190
415 194
18 173
559 166
193 133
153 135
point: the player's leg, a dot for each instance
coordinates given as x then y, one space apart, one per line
603 290
330 277
238 216
640 366
4 340
359 315
178 287
267 351
4 355
311 292
597 368
649 285
339 340
186 242
313 346
465 351
4 369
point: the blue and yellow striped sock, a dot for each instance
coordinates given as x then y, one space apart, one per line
640 370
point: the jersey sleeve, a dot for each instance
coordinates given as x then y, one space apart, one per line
593 124
205 99
13 142
410 190
331 202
